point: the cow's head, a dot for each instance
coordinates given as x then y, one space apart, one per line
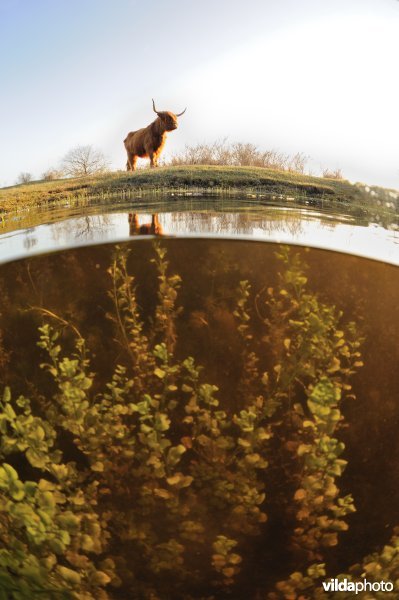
168 119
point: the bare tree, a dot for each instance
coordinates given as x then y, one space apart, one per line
298 162
84 160
24 178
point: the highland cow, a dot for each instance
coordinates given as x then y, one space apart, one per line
149 141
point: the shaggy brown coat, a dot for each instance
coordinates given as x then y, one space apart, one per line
148 142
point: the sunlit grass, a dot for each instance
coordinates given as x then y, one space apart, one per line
171 178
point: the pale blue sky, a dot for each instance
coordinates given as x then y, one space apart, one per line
293 75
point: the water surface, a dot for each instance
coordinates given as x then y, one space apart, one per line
323 228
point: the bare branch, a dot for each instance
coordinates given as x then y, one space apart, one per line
84 160
24 178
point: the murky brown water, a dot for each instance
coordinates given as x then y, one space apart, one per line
137 505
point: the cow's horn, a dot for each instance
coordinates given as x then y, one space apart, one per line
182 113
153 104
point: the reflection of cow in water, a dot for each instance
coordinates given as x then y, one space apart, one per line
153 228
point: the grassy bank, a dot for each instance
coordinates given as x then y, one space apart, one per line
169 179
25 203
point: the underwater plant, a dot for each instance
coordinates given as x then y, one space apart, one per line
156 484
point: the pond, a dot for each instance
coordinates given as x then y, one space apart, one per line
361 232
206 413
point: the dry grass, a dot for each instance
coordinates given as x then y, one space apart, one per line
336 174
237 154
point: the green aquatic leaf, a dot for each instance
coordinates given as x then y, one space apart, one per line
161 422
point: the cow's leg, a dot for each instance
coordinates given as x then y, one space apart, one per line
153 159
156 227
133 224
131 162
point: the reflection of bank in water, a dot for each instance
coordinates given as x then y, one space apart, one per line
153 228
288 226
